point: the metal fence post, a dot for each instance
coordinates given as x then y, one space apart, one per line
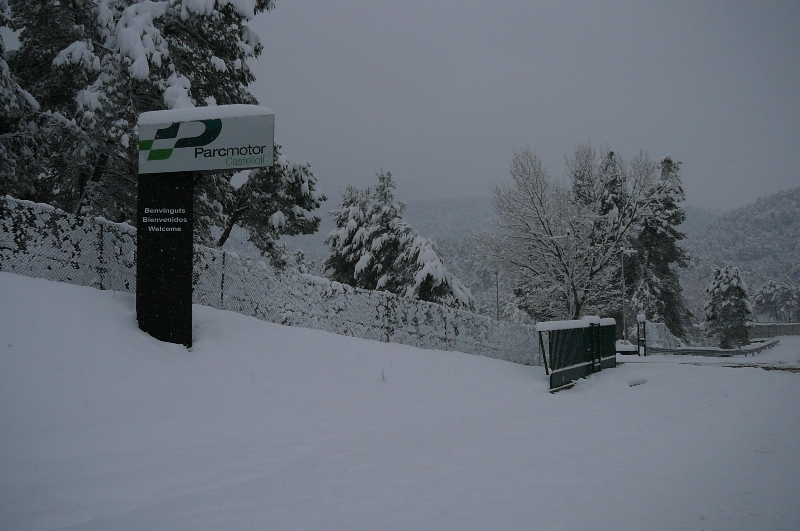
101 255
222 283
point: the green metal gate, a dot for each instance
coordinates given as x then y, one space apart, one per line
576 349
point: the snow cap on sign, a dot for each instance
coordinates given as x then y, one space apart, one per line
202 113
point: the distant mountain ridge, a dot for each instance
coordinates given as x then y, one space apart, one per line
762 239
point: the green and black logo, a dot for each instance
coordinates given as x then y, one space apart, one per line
212 130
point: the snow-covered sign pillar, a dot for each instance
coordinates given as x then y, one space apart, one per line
175 147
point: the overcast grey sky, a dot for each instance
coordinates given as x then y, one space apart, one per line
441 92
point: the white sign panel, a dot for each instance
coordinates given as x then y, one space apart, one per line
224 137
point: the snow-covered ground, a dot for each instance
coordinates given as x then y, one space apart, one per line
261 426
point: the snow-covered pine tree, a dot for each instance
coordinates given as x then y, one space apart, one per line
612 174
373 248
61 53
728 308
612 177
275 201
652 273
17 123
348 241
103 62
619 189
582 168
425 276
388 236
789 300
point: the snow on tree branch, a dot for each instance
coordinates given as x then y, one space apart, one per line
373 248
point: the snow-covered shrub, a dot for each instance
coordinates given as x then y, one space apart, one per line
780 301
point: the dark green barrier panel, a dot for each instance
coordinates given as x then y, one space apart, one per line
578 352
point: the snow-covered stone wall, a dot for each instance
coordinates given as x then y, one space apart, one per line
41 241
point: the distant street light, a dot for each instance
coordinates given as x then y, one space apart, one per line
569 270
628 252
497 292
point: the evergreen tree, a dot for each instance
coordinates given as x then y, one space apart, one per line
728 309
100 63
612 177
95 65
788 297
582 169
373 248
274 201
61 55
16 108
348 242
653 272
22 125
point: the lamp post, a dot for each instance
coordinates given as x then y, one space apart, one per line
625 252
569 269
497 293
569 273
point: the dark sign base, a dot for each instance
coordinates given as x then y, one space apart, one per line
164 256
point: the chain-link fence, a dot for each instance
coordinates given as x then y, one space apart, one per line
40 241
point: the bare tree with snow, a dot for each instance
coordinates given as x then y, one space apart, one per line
562 243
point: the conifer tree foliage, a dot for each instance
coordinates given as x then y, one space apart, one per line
98 64
349 242
653 272
18 122
95 65
373 248
274 201
728 308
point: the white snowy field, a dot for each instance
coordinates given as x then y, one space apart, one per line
261 426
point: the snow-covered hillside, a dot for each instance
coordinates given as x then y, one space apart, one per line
762 239
261 426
